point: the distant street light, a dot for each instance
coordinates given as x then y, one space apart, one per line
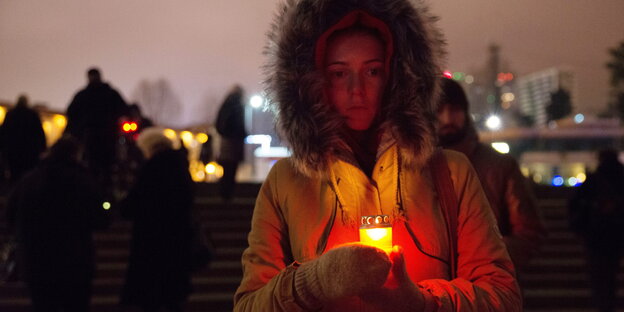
501 147
256 101
493 122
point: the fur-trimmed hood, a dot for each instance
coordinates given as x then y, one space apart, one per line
295 86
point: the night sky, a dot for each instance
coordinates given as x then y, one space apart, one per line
202 47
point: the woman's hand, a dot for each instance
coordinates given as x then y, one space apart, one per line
399 293
348 270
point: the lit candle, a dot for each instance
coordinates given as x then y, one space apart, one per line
376 231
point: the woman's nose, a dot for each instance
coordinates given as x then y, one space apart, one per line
356 84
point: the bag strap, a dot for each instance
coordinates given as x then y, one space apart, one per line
448 202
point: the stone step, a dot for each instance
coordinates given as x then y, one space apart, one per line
112 286
216 301
119 254
566 310
562 298
573 280
217 268
209 223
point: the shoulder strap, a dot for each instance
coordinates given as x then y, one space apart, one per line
448 202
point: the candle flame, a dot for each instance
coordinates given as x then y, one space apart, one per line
377 234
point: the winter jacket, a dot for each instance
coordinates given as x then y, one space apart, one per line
230 125
159 206
54 209
510 197
312 201
297 218
22 140
95 109
596 210
93 117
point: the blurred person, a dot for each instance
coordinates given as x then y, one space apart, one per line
135 114
54 210
206 153
230 125
129 154
354 85
597 216
159 206
22 140
93 116
507 190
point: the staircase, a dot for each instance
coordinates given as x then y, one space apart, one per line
213 287
555 281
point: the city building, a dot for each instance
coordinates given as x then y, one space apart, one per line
534 92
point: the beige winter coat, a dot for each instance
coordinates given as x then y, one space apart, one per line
296 218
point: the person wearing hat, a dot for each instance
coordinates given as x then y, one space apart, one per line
159 204
354 86
507 190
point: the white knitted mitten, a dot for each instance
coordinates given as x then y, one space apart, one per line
347 270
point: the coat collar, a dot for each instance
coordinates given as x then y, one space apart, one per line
358 195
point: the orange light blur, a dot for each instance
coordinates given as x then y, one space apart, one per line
380 237
129 127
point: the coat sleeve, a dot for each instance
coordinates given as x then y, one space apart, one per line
527 230
485 274
268 275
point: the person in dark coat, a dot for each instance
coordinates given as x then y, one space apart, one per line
22 139
159 205
54 210
597 216
93 117
135 114
231 126
507 190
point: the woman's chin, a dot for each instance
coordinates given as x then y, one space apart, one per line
359 124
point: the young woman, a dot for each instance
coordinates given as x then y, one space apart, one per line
354 84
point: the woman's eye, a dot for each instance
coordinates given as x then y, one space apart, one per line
374 72
338 74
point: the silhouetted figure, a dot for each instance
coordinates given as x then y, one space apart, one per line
129 155
159 205
206 153
597 215
508 192
135 114
22 139
231 126
54 210
93 117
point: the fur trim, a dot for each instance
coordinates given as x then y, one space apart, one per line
295 87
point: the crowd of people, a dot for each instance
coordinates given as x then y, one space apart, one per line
374 130
60 195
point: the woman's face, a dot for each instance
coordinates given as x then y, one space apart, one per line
355 72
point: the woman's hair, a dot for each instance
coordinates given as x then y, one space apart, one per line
152 141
